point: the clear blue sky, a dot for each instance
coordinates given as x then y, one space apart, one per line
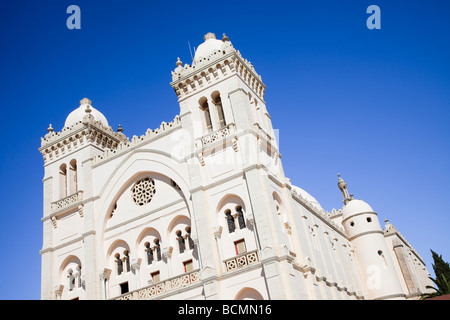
373 105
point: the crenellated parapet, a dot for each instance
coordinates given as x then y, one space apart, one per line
219 64
87 131
150 135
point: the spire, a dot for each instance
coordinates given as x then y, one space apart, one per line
343 187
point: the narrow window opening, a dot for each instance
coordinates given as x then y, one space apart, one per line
119 264
149 253
188 265
124 288
73 176
240 246
369 219
230 221
155 276
63 180
157 248
205 108
127 260
181 243
218 102
189 239
240 216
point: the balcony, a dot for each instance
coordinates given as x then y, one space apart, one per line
242 260
67 201
162 287
217 135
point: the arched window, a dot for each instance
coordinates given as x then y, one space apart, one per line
119 264
157 249
149 253
181 243
71 278
230 221
189 239
63 181
73 176
207 116
218 103
126 253
240 216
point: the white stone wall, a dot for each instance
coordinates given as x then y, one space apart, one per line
294 250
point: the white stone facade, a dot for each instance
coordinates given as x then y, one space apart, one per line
200 208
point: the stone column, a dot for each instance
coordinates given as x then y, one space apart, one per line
135 266
217 236
104 279
168 255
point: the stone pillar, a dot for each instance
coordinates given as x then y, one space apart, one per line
168 255
217 236
104 279
135 266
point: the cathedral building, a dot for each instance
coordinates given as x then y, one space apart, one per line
200 208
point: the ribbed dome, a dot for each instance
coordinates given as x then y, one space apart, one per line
209 46
78 114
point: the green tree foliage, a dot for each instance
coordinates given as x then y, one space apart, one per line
442 280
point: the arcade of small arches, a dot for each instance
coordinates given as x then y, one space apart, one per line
161 252
214 119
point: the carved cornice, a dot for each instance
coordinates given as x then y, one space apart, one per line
87 131
219 65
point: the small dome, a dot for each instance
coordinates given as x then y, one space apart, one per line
78 114
209 46
355 207
308 197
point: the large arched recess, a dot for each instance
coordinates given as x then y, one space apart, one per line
134 164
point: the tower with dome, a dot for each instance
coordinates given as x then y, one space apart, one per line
200 207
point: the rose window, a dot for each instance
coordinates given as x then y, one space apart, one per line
143 191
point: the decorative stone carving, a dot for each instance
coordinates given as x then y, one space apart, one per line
143 191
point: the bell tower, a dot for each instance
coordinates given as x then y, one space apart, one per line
222 109
68 212
221 94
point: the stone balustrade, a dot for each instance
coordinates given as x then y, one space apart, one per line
67 201
162 287
242 260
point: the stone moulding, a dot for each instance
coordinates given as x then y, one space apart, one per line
54 145
218 65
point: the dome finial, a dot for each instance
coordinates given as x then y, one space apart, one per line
179 63
209 35
225 38
50 128
85 101
119 129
